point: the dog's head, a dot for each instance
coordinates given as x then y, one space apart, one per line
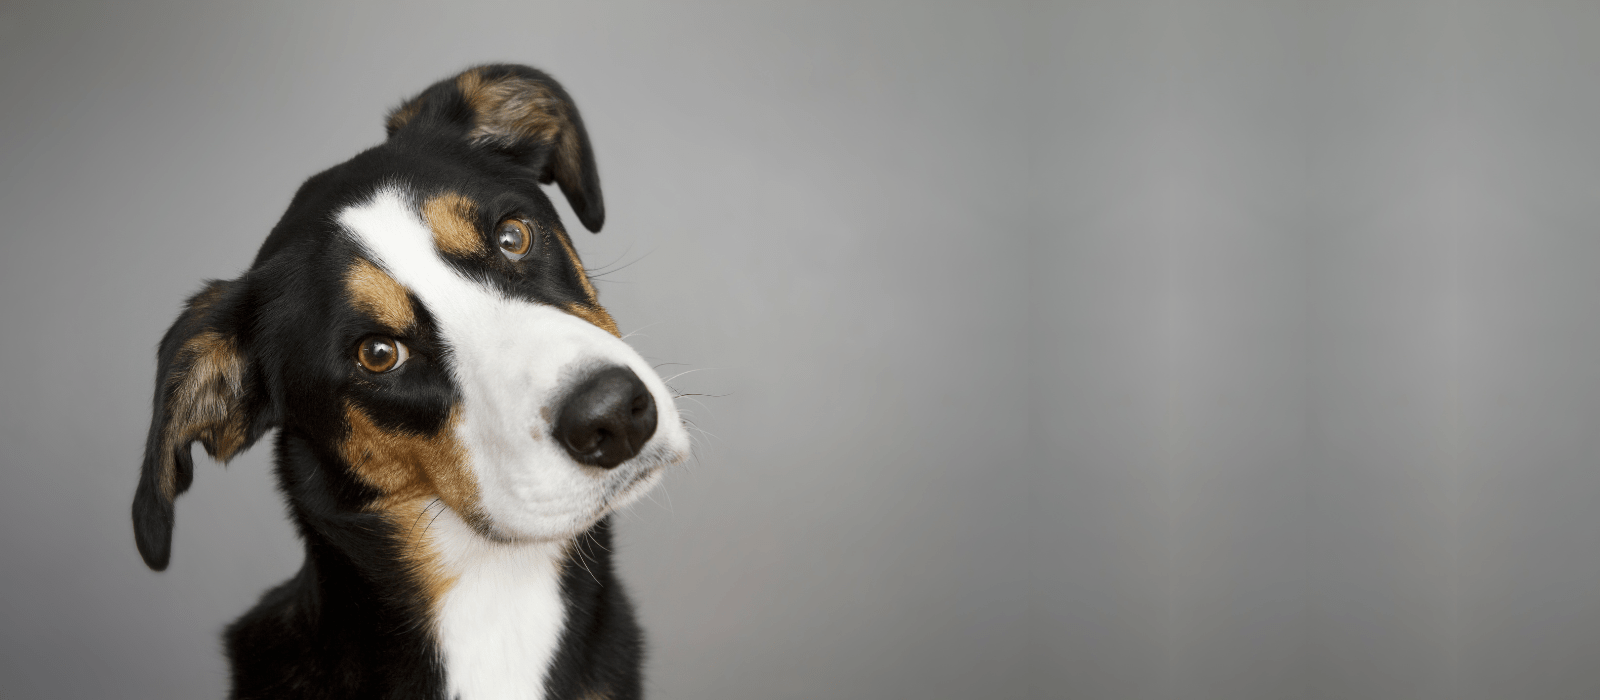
420 328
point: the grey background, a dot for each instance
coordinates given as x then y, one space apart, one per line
1211 349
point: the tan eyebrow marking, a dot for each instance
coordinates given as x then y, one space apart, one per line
376 294
451 217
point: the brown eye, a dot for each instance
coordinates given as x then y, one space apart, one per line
515 238
379 353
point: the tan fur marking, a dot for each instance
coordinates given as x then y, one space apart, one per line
200 303
593 313
204 403
451 217
583 274
411 471
405 466
411 518
376 294
513 108
402 115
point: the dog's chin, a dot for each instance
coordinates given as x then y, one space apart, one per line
544 527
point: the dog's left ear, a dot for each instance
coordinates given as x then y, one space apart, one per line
206 390
519 111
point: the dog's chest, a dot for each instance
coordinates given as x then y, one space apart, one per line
500 623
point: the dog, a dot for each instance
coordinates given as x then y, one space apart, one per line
456 414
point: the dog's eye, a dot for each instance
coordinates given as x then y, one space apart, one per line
515 239
379 353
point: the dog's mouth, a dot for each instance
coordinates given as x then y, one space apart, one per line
638 477
651 464
631 481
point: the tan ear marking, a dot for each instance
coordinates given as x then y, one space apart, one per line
202 302
402 115
452 217
375 293
512 108
205 403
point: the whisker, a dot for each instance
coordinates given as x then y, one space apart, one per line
624 267
596 542
578 551
702 404
601 270
687 371
435 517
667 494
635 331
419 516
704 432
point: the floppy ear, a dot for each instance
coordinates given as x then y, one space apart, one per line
519 111
205 390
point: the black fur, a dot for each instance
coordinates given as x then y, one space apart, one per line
352 622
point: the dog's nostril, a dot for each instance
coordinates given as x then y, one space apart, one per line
607 419
586 442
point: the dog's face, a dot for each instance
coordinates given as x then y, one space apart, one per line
421 329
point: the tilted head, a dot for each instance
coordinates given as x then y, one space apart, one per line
422 332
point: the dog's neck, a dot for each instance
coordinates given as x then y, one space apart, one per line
509 621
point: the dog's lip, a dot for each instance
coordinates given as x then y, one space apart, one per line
641 475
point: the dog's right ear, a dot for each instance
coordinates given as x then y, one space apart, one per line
206 390
520 112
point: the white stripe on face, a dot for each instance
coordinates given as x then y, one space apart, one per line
510 359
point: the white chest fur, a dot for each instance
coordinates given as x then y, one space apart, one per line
499 625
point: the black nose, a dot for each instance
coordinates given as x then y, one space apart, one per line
607 418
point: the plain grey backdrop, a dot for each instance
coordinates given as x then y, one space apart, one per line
1166 350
